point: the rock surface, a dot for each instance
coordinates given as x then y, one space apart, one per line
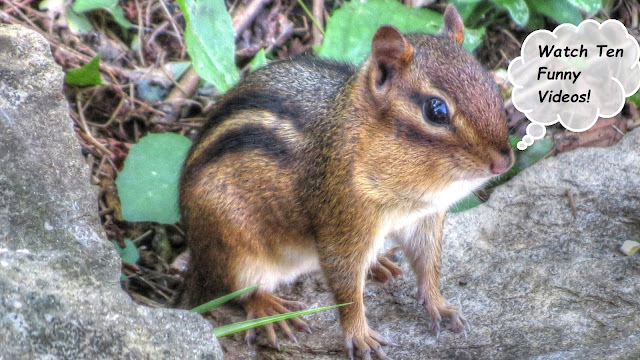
534 282
60 295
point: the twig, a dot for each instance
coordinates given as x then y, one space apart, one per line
140 34
243 18
189 82
85 129
173 23
572 204
310 15
187 85
318 14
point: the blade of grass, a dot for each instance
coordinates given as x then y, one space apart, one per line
248 324
221 300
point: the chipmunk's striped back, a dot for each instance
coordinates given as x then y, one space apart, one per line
268 111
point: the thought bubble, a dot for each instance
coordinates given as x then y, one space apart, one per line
574 75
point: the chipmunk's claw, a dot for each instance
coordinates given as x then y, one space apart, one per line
265 304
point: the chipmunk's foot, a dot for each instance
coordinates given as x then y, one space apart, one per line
263 304
438 309
385 268
365 343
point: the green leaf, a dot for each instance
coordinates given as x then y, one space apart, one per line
118 16
248 324
635 98
518 10
87 74
590 6
80 6
534 153
111 6
78 23
51 5
221 300
350 28
466 8
467 203
177 68
527 157
148 183
210 41
561 11
129 253
258 61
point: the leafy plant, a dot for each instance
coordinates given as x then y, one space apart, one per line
348 34
351 27
148 183
529 12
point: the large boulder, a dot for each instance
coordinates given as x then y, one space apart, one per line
534 281
60 294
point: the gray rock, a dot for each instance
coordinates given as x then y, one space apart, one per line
534 282
60 296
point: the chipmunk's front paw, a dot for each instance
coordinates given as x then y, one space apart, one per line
438 309
363 344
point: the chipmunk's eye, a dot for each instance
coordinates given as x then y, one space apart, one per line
435 111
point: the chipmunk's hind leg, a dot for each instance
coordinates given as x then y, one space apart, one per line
385 267
261 304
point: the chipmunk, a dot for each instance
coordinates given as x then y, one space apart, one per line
309 164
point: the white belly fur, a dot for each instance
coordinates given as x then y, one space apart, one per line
298 261
434 203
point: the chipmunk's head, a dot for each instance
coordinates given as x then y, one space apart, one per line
436 118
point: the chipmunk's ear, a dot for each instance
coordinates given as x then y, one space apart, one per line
391 54
453 26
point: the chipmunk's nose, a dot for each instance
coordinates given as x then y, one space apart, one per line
501 160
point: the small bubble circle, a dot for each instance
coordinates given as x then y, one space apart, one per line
528 139
536 131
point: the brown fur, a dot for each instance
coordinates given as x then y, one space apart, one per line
310 163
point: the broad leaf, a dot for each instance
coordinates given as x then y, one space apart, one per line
590 6
148 183
210 41
80 6
561 11
518 10
350 28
